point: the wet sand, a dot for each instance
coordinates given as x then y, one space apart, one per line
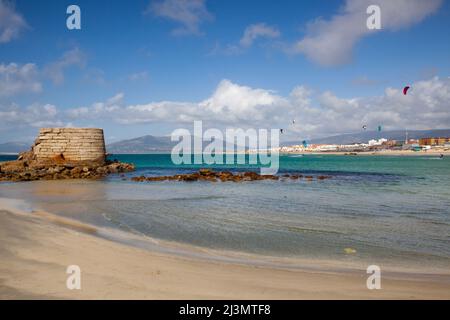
37 248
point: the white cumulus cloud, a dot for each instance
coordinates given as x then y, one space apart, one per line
35 115
187 13
16 79
331 42
11 22
250 35
316 114
259 30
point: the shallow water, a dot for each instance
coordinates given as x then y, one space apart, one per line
389 209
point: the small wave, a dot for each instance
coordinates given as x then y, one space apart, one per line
195 198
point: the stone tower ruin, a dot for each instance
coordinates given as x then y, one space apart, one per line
70 144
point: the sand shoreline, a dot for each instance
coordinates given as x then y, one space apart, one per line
35 250
374 153
343 153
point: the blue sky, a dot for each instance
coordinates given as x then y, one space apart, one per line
163 61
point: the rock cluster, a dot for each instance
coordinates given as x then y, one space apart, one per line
224 176
26 169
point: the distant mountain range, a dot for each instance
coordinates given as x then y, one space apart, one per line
145 144
142 145
150 144
155 144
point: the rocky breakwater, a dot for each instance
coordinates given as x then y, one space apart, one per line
25 169
225 176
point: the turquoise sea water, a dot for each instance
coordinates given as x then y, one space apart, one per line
387 208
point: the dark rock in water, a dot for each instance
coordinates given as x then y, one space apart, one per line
205 172
190 178
162 178
224 176
254 176
138 179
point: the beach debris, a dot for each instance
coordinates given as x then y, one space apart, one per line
225 176
405 90
349 250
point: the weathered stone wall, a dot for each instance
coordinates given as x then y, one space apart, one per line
70 144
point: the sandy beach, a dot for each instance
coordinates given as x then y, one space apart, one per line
36 248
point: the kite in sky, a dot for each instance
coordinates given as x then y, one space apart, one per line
405 90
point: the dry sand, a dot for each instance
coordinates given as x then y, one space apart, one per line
35 250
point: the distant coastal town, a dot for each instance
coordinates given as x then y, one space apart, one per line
382 145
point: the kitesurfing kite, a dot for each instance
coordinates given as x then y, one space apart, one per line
405 90
304 143
281 131
364 127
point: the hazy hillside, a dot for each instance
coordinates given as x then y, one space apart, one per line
14 147
145 144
